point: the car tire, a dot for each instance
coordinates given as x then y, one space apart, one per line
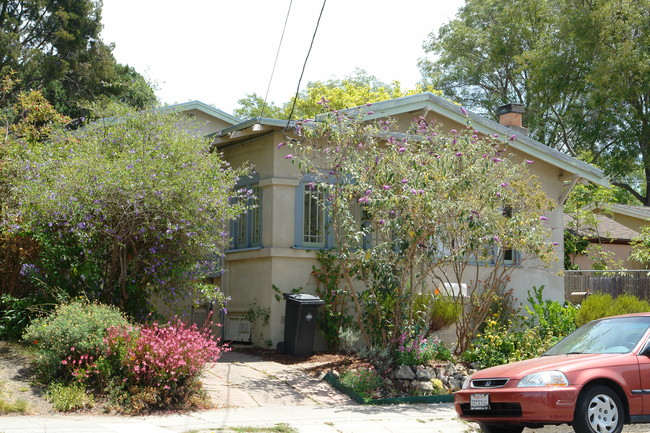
599 410
501 428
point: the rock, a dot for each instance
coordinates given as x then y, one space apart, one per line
450 369
422 385
455 383
404 372
423 373
474 365
336 374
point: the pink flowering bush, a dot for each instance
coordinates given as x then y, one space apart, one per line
159 366
419 350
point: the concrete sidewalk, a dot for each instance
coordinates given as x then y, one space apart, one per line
251 392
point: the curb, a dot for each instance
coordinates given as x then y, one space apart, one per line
334 382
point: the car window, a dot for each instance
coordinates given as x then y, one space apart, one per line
611 335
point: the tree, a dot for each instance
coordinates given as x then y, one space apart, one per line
581 69
431 208
354 90
54 46
125 208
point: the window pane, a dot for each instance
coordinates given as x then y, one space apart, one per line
314 221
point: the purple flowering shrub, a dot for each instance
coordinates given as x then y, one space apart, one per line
418 350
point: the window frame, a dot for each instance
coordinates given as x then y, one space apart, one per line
246 229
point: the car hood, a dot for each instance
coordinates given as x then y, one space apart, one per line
564 363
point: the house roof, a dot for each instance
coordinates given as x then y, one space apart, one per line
640 212
608 230
203 107
430 102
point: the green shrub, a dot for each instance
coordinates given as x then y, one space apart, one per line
419 351
72 331
16 314
598 305
523 337
68 398
435 312
365 381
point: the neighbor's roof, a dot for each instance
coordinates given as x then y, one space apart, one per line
608 230
205 108
640 212
428 101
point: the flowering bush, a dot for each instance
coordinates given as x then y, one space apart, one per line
366 381
160 365
71 337
419 350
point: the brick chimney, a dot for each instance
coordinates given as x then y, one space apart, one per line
511 115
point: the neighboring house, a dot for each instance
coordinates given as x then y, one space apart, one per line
630 216
612 237
273 245
209 119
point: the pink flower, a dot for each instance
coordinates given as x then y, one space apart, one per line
528 161
512 137
289 156
462 110
386 187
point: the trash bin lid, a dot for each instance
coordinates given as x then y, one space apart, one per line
304 298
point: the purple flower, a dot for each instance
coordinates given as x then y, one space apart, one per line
555 244
381 222
414 191
281 144
363 200
496 238
401 149
459 154
543 218
386 187
370 112
453 131
405 181
504 184
289 156
368 192
462 110
496 160
512 137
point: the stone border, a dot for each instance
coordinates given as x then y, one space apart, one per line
333 381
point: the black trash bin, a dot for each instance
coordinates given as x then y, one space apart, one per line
300 324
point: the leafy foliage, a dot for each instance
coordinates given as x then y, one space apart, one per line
580 68
56 47
419 351
73 329
69 397
598 305
431 207
524 336
354 90
126 208
366 381
16 315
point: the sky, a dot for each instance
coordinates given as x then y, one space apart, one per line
218 51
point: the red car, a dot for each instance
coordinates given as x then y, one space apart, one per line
596 379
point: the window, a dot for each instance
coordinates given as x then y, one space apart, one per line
246 230
313 221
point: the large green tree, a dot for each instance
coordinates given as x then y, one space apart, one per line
54 46
582 68
356 89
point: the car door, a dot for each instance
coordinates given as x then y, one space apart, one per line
644 371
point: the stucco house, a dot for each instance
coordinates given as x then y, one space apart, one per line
272 244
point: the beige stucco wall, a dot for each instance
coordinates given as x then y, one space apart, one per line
621 252
251 274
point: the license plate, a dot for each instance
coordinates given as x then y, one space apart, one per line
479 402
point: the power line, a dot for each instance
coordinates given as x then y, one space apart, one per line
277 54
293 106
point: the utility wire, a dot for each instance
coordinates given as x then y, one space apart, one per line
277 54
295 98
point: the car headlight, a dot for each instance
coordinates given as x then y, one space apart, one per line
544 378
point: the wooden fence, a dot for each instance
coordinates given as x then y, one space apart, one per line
615 283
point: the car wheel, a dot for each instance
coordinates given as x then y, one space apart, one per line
501 428
599 410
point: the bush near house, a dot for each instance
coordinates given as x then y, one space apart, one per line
86 347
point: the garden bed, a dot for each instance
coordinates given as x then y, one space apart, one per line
336 383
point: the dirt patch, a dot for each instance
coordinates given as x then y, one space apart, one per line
16 380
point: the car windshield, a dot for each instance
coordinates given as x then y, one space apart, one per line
612 335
